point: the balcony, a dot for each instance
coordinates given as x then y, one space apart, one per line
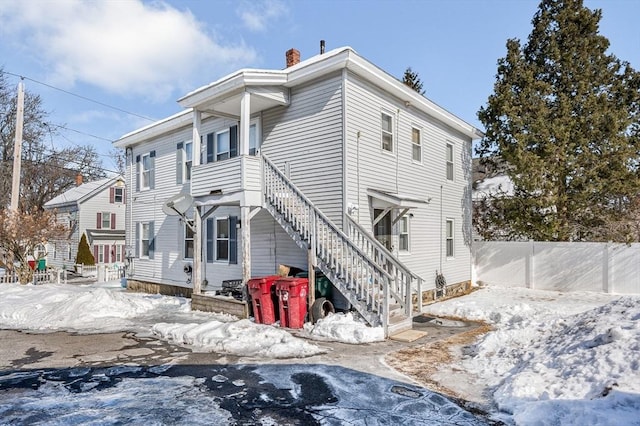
223 178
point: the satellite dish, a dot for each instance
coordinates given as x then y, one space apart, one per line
177 205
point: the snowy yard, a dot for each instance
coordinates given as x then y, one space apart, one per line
551 358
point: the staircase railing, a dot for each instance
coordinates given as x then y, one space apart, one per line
406 280
366 284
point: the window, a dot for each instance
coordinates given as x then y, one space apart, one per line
387 132
106 220
416 144
188 240
145 171
449 161
145 240
449 238
118 195
403 233
253 140
100 252
222 239
184 162
222 146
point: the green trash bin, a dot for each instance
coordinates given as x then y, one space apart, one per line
323 285
42 264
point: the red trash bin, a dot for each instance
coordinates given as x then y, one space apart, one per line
292 295
261 298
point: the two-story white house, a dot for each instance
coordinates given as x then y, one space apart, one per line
96 209
329 163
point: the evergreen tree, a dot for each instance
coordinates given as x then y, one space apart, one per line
84 256
564 119
412 80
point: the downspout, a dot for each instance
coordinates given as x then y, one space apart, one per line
344 144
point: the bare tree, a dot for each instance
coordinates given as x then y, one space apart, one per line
21 234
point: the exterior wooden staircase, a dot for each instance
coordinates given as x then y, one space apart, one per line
376 284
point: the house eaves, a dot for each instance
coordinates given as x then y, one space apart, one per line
309 69
176 121
80 194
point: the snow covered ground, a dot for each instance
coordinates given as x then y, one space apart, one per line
552 359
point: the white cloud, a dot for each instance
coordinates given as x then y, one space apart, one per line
124 47
257 15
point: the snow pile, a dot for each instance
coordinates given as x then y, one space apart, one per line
555 358
242 338
343 328
79 308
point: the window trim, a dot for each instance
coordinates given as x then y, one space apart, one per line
115 195
450 162
188 235
106 221
144 187
447 238
142 239
217 239
389 132
414 144
406 220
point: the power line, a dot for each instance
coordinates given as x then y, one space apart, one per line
79 96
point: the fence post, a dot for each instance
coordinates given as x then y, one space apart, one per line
529 265
607 283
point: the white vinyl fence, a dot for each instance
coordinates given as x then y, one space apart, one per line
600 267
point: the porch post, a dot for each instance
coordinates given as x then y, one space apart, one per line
197 272
245 226
245 118
197 123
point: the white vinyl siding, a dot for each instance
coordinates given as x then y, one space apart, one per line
309 135
367 168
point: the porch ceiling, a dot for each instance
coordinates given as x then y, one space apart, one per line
262 98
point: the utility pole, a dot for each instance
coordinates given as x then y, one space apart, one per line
17 150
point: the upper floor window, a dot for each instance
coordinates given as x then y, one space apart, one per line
118 195
449 161
416 144
184 161
145 171
222 145
387 132
253 140
105 220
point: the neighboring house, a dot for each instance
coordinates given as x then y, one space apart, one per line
330 162
96 209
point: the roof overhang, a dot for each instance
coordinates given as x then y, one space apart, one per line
269 88
383 200
105 235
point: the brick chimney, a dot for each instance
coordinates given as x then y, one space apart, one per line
293 57
78 179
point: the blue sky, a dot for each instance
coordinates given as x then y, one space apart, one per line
141 56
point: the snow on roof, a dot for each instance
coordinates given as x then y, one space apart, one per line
495 185
74 195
